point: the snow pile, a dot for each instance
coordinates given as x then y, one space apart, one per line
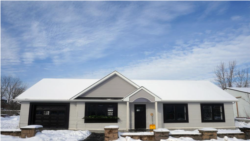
136 133
127 139
242 124
11 122
161 130
228 131
175 132
32 126
208 129
111 126
190 139
52 135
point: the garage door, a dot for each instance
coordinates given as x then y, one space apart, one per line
51 116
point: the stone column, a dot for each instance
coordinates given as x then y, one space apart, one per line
161 133
30 131
208 133
246 131
111 132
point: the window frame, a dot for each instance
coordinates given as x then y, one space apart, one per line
212 104
176 121
115 113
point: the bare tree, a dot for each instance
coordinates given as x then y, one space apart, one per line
11 87
230 73
220 75
242 78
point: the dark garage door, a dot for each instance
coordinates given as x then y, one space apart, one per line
50 115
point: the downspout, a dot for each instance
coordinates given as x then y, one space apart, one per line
156 115
237 106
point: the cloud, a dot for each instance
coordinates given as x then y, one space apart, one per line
79 31
190 60
236 18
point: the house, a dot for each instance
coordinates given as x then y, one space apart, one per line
90 104
242 107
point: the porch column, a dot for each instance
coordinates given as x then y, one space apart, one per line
127 115
156 115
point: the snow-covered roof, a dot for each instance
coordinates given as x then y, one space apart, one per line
55 89
167 90
193 91
246 90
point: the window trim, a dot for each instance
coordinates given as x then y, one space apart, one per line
176 121
115 112
212 104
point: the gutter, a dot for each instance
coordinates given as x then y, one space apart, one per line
46 100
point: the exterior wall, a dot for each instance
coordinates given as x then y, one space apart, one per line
142 94
150 108
77 112
24 114
243 103
113 87
194 113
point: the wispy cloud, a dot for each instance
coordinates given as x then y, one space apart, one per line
236 18
193 60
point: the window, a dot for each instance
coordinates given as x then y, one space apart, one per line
212 113
175 113
101 113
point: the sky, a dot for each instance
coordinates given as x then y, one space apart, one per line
141 40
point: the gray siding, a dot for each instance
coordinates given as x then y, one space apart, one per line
243 103
113 87
24 114
194 114
142 94
150 108
77 112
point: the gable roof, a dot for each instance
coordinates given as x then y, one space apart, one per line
163 90
246 90
157 98
102 80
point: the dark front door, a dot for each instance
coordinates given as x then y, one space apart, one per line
140 116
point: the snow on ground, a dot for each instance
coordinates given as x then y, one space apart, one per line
190 139
11 122
242 124
52 135
174 132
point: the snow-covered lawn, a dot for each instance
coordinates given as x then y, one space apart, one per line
190 139
11 122
52 135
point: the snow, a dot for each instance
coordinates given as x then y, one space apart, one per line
136 133
167 90
190 139
161 130
56 89
52 135
247 90
228 131
242 124
175 132
14 130
208 129
126 139
11 122
32 126
112 126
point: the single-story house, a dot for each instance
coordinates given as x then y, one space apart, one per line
242 107
91 104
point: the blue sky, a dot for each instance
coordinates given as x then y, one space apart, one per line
142 40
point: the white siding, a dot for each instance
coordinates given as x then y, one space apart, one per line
77 112
194 113
243 103
24 114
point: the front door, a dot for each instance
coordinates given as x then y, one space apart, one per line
140 116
